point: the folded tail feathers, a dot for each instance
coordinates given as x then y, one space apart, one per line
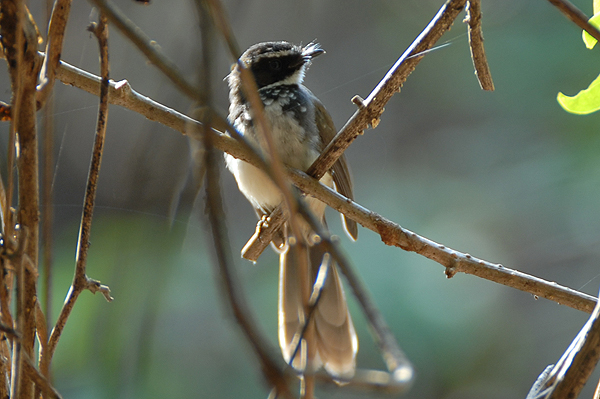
335 339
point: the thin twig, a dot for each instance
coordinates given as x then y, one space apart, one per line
47 208
222 24
6 278
39 380
57 17
313 301
216 215
571 372
19 40
482 68
577 16
398 365
7 320
263 129
395 235
370 110
250 90
370 381
81 281
232 289
404 238
277 173
147 46
121 93
54 43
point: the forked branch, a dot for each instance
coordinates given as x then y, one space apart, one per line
369 112
81 281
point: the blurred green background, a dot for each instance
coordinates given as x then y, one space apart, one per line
507 176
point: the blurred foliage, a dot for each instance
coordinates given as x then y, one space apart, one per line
506 176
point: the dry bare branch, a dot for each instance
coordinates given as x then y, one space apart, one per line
400 369
81 281
371 381
121 93
216 215
146 45
232 289
482 68
370 110
40 381
54 42
577 16
19 40
222 24
571 372
393 233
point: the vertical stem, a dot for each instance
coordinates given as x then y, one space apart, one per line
20 41
47 210
80 279
216 216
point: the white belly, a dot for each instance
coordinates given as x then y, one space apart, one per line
295 149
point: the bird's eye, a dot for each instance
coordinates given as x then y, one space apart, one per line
275 65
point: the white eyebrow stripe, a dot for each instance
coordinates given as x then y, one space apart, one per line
277 54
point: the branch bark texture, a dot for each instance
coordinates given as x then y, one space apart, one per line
369 112
391 233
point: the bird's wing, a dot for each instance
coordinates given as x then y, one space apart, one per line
340 171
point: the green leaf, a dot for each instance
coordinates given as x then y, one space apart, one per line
589 41
585 102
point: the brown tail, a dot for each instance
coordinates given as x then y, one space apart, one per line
331 330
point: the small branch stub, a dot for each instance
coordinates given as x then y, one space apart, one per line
95 286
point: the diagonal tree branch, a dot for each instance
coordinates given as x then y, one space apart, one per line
145 45
54 43
482 68
391 233
369 112
567 378
400 369
577 16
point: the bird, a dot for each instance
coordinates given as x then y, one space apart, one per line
300 127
